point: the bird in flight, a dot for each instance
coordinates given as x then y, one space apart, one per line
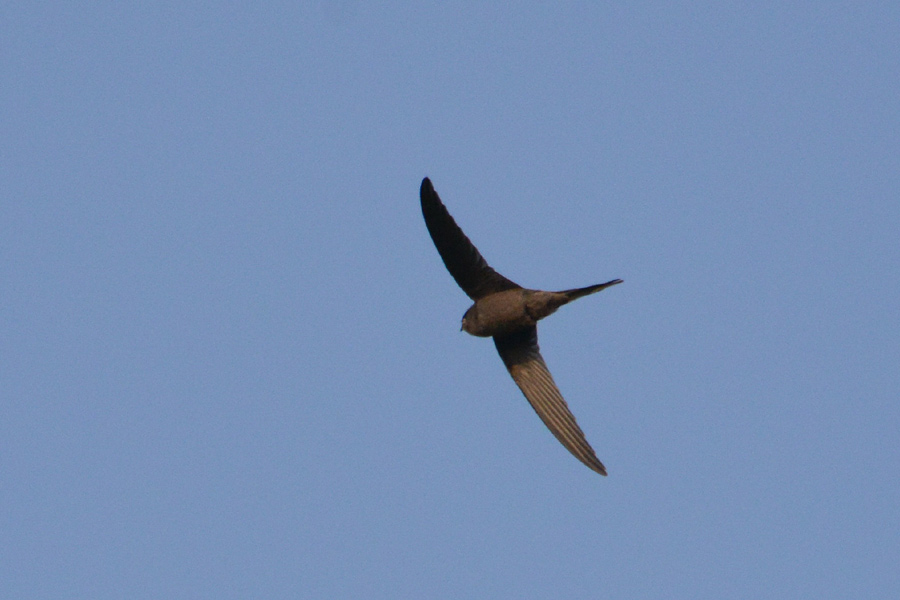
509 313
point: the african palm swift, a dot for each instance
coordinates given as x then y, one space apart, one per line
509 313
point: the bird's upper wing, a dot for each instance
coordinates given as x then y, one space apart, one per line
462 258
522 357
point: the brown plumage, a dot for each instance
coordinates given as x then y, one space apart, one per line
509 313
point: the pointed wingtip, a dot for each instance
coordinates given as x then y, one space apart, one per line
593 463
426 185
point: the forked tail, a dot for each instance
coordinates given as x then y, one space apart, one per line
591 289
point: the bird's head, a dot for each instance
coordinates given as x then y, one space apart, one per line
469 320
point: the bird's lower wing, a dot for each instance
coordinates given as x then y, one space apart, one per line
522 357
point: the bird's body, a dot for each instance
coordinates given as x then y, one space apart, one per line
509 313
500 314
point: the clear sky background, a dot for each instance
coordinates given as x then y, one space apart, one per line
230 358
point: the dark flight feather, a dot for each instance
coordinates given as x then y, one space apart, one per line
461 257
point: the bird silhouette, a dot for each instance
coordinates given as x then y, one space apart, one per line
509 313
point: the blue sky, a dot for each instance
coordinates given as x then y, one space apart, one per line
230 361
